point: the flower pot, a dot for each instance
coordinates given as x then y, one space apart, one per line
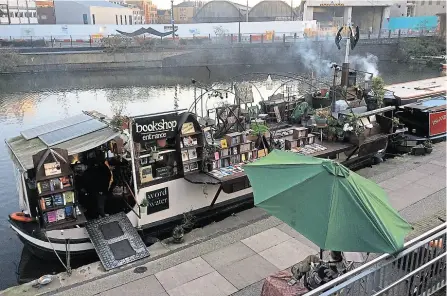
428 150
177 234
143 211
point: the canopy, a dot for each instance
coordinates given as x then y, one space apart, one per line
332 206
75 134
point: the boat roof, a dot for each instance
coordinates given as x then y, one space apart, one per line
431 104
420 88
76 134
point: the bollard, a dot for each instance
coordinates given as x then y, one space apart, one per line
294 37
52 41
273 37
31 39
262 38
284 38
209 36
389 34
71 41
369 34
250 38
231 36
239 37
398 35
91 41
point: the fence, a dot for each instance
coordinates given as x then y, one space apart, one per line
420 269
113 40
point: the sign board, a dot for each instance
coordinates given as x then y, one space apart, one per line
152 128
244 93
332 4
52 168
437 122
158 200
169 28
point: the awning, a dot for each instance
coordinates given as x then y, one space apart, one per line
80 141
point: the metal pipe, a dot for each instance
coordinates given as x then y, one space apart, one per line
132 156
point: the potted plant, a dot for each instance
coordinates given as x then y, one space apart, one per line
258 130
396 124
189 220
177 234
321 116
143 206
428 145
374 98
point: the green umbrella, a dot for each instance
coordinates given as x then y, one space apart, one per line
332 206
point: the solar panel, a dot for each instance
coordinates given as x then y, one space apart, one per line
71 132
50 127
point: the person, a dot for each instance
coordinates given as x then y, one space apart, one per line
98 178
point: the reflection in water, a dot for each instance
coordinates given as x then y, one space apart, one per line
30 100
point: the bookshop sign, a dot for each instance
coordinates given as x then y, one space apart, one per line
158 200
152 128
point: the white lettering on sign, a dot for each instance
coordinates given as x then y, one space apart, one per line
156 127
438 120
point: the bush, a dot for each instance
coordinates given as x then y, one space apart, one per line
9 59
424 46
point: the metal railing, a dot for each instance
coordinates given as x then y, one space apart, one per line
419 269
76 41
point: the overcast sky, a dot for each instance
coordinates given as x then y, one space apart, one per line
165 4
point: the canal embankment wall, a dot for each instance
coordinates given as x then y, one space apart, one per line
204 55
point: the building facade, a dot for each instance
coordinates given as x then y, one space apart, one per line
149 10
368 15
185 11
18 12
45 12
427 8
163 16
92 13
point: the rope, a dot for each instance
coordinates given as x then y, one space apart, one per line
55 252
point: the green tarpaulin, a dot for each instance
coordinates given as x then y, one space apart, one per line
332 206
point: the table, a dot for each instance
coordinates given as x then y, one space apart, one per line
277 285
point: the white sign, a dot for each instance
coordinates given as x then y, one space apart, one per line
52 168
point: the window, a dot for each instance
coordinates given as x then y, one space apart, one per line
438 2
422 2
130 20
84 17
430 2
116 18
20 14
125 19
17 14
121 18
34 14
93 19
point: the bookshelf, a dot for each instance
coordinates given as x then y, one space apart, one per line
191 142
57 203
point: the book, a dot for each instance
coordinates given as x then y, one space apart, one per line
48 202
192 154
45 218
58 200
52 216
216 156
60 214
223 143
65 182
188 128
43 187
186 168
146 174
69 211
42 203
243 157
185 156
261 153
68 197
193 166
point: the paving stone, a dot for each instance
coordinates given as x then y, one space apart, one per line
430 169
148 286
247 271
407 196
228 255
440 162
266 239
183 273
287 253
212 284
252 214
433 182
298 236
252 290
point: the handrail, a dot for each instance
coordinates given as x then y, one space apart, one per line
369 264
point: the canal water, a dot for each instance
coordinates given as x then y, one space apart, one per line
30 100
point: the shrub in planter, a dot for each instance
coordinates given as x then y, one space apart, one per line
428 146
177 234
